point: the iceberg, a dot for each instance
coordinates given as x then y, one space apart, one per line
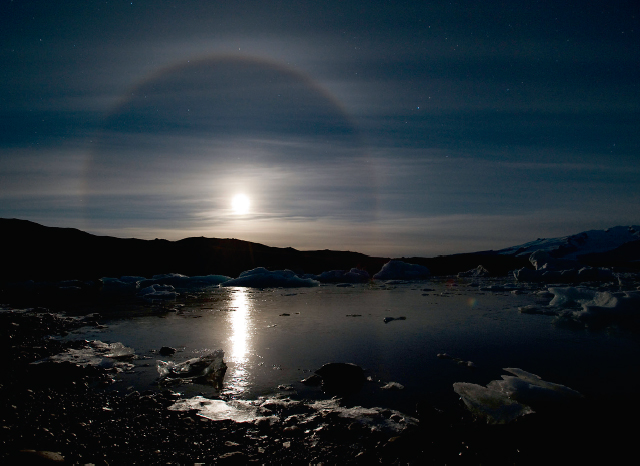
530 389
183 281
597 308
552 270
398 270
571 296
158 292
489 404
549 270
478 272
263 278
542 259
209 368
342 276
129 285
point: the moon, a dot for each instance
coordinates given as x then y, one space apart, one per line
240 204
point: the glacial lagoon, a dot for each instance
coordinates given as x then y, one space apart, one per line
423 336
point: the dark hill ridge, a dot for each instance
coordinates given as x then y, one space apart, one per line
36 252
33 251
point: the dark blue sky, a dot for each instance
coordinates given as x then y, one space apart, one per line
390 128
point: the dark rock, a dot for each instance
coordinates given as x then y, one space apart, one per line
391 319
167 351
341 378
312 380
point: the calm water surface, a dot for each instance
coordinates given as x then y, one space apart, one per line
279 336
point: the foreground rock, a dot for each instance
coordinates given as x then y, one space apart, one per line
340 378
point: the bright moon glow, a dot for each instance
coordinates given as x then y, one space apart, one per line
240 204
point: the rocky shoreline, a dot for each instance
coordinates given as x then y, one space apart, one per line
62 413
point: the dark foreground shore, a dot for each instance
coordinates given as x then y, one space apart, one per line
60 412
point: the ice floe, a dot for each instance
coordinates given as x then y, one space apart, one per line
94 354
398 270
219 410
502 401
263 278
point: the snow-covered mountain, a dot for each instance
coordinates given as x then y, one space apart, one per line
587 242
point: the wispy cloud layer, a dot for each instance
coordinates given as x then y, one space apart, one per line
415 130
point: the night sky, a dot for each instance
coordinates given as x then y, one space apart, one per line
385 127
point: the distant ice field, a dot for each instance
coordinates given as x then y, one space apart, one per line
276 337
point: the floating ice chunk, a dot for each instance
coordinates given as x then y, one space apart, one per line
530 389
606 308
263 278
392 386
210 368
398 270
492 405
94 353
183 281
595 308
541 258
218 410
502 401
378 418
112 350
571 296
